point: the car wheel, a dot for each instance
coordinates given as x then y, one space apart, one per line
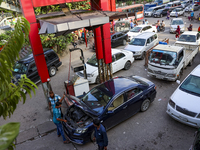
180 74
145 105
124 42
161 15
52 71
191 62
92 136
142 56
127 65
97 80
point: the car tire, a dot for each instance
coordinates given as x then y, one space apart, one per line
124 42
127 65
142 56
180 74
52 71
191 62
145 105
92 136
161 15
97 80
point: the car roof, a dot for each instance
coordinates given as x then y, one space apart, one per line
118 84
145 35
143 25
168 47
196 71
190 33
30 57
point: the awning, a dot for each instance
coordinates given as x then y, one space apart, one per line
61 24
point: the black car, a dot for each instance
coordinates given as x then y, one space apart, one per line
27 66
112 102
118 38
161 12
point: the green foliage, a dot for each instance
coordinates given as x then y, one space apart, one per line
47 9
129 3
79 5
4 37
61 42
8 133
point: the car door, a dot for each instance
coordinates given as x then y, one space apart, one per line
148 44
134 98
120 61
120 38
33 73
116 112
114 41
198 38
114 63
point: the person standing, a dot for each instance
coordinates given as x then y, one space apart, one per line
178 30
199 29
100 135
158 25
53 99
146 22
192 15
168 15
190 27
131 24
57 121
176 14
135 22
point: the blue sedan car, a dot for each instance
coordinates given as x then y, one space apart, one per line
112 102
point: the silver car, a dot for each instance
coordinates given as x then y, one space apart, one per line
175 22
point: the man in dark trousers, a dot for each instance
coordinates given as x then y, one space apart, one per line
57 121
100 135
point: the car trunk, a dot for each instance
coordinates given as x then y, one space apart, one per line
76 117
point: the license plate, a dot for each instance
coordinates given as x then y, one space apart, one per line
159 76
183 119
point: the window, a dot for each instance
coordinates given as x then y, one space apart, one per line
152 38
119 35
113 58
51 56
132 93
117 102
180 56
155 36
148 41
114 36
33 67
144 29
119 56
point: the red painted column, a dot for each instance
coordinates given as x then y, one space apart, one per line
34 38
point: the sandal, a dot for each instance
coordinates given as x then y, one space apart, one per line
66 142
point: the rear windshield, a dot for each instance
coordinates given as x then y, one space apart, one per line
187 38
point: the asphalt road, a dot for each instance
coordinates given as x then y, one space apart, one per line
151 130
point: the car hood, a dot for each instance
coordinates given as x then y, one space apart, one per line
186 100
133 33
175 26
133 48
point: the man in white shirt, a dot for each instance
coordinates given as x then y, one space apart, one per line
146 22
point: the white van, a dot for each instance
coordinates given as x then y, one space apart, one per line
141 43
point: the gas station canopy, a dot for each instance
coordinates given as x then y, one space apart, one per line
60 23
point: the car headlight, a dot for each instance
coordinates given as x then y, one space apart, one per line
89 75
81 130
171 103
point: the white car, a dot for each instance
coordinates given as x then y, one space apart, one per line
121 59
140 29
184 103
192 7
189 37
142 43
175 22
179 11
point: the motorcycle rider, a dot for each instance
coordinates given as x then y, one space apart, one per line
162 25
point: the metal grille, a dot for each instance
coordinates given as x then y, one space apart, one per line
160 73
185 111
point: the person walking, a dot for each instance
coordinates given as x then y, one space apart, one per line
178 30
100 135
57 121
168 15
176 14
53 99
192 16
131 24
199 29
158 25
146 22
190 27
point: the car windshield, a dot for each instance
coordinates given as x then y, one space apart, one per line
137 42
97 98
136 29
162 57
159 10
187 38
169 5
191 85
93 61
177 22
150 9
175 10
20 68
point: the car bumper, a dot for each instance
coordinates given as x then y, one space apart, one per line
163 77
191 121
74 137
59 64
155 15
147 15
174 30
